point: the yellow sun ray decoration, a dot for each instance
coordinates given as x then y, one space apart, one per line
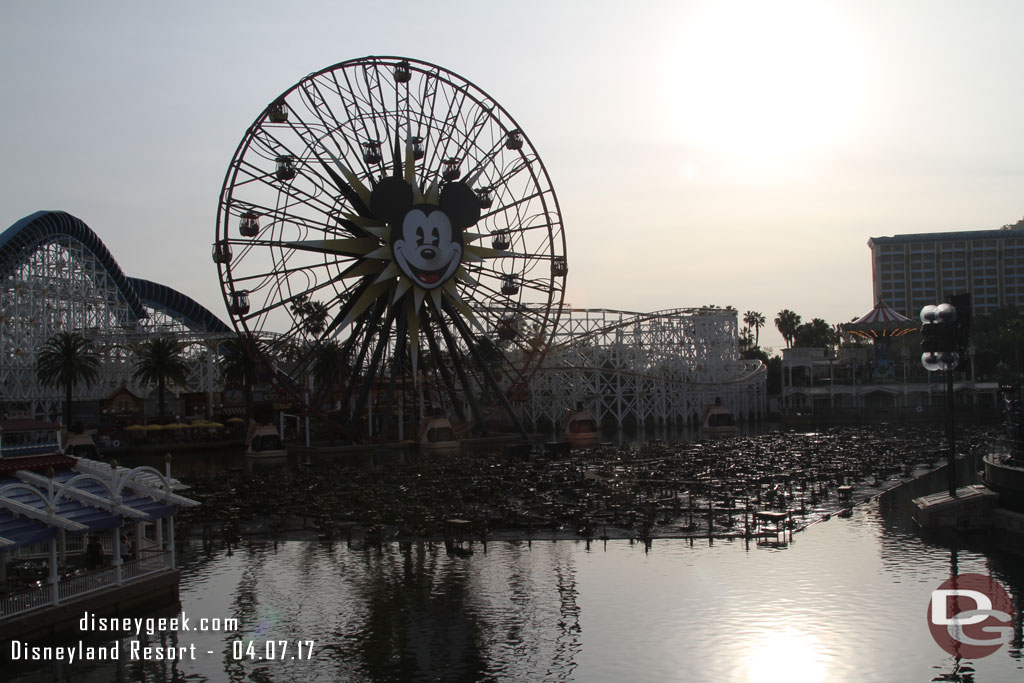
392 239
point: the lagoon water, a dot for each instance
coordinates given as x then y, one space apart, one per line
845 600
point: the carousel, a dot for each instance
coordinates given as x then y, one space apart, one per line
880 326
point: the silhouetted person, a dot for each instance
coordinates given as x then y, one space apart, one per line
93 553
127 548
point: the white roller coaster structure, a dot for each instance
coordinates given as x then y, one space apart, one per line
631 369
56 275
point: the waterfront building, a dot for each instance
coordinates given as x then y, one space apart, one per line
77 534
883 381
56 275
913 271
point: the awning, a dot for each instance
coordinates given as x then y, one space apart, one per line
880 321
90 496
16 532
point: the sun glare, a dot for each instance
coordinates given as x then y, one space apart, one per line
786 656
765 82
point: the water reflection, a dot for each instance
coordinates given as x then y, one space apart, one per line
417 621
846 600
786 655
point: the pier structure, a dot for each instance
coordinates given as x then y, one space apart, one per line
79 534
633 369
56 275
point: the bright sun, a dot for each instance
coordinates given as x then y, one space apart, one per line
766 82
786 656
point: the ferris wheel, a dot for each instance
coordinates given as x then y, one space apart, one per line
386 227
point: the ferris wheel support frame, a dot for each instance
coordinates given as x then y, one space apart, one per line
358 171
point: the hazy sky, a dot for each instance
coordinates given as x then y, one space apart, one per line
731 153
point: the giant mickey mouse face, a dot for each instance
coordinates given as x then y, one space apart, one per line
427 250
426 240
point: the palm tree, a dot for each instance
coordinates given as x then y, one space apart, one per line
787 321
329 369
161 362
756 321
746 339
312 313
237 366
67 359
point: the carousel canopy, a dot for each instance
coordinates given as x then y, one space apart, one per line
881 321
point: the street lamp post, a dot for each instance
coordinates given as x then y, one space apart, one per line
944 337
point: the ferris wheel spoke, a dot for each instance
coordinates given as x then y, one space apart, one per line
375 96
456 354
355 247
486 159
511 204
291 190
483 283
284 301
441 366
355 340
469 143
507 174
437 119
350 194
244 279
327 223
485 371
397 363
278 214
322 110
375 362
448 122
359 341
303 170
272 146
248 178
319 107
402 117
364 112
352 299
428 94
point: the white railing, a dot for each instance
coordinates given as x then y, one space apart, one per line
151 562
85 583
24 601
80 585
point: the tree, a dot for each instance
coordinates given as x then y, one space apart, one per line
161 362
746 339
816 334
787 321
237 366
754 320
67 359
998 340
329 368
313 314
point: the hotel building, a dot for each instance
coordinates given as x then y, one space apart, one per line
913 271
